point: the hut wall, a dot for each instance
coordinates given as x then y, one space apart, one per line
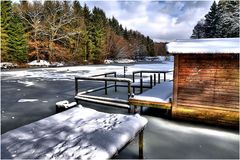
206 88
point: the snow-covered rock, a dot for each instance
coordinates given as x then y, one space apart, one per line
125 61
39 63
108 61
5 65
57 64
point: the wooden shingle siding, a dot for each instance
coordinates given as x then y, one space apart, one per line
207 88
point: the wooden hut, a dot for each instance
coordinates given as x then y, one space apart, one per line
206 80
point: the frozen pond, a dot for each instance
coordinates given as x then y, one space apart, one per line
29 95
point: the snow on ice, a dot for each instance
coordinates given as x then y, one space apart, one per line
68 73
27 100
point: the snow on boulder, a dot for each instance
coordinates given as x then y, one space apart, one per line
124 61
65 104
5 65
108 61
39 63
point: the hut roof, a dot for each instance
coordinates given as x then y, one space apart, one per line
203 46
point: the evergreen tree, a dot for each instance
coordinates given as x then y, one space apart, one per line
6 11
17 43
222 21
228 19
77 9
199 30
210 22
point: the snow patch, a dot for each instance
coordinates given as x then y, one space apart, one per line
27 83
124 61
27 100
68 73
39 63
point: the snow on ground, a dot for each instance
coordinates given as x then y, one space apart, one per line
68 73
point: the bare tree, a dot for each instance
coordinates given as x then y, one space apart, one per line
32 15
56 21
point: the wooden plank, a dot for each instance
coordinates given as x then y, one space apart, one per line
217 87
207 115
175 80
207 103
205 95
209 90
153 104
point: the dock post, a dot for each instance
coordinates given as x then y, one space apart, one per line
154 78
76 86
141 85
105 85
158 77
115 75
141 145
151 81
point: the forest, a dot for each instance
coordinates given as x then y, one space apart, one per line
65 31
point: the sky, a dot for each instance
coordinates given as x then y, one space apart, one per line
160 20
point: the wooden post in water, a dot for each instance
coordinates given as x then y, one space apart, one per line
105 85
141 145
76 86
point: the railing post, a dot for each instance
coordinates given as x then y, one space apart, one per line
158 77
124 71
115 75
129 94
105 85
141 85
151 81
154 77
76 86
133 81
164 76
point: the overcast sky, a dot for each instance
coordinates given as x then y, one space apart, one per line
160 20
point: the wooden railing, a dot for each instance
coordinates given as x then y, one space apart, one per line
152 81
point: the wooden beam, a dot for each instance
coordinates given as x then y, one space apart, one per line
140 143
175 80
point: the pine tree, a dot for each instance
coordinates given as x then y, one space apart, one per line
228 19
210 22
77 9
17 43
6 11
199 30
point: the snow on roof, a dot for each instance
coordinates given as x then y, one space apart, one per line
78 133
211 45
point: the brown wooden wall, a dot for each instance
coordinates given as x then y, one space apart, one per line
207 81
